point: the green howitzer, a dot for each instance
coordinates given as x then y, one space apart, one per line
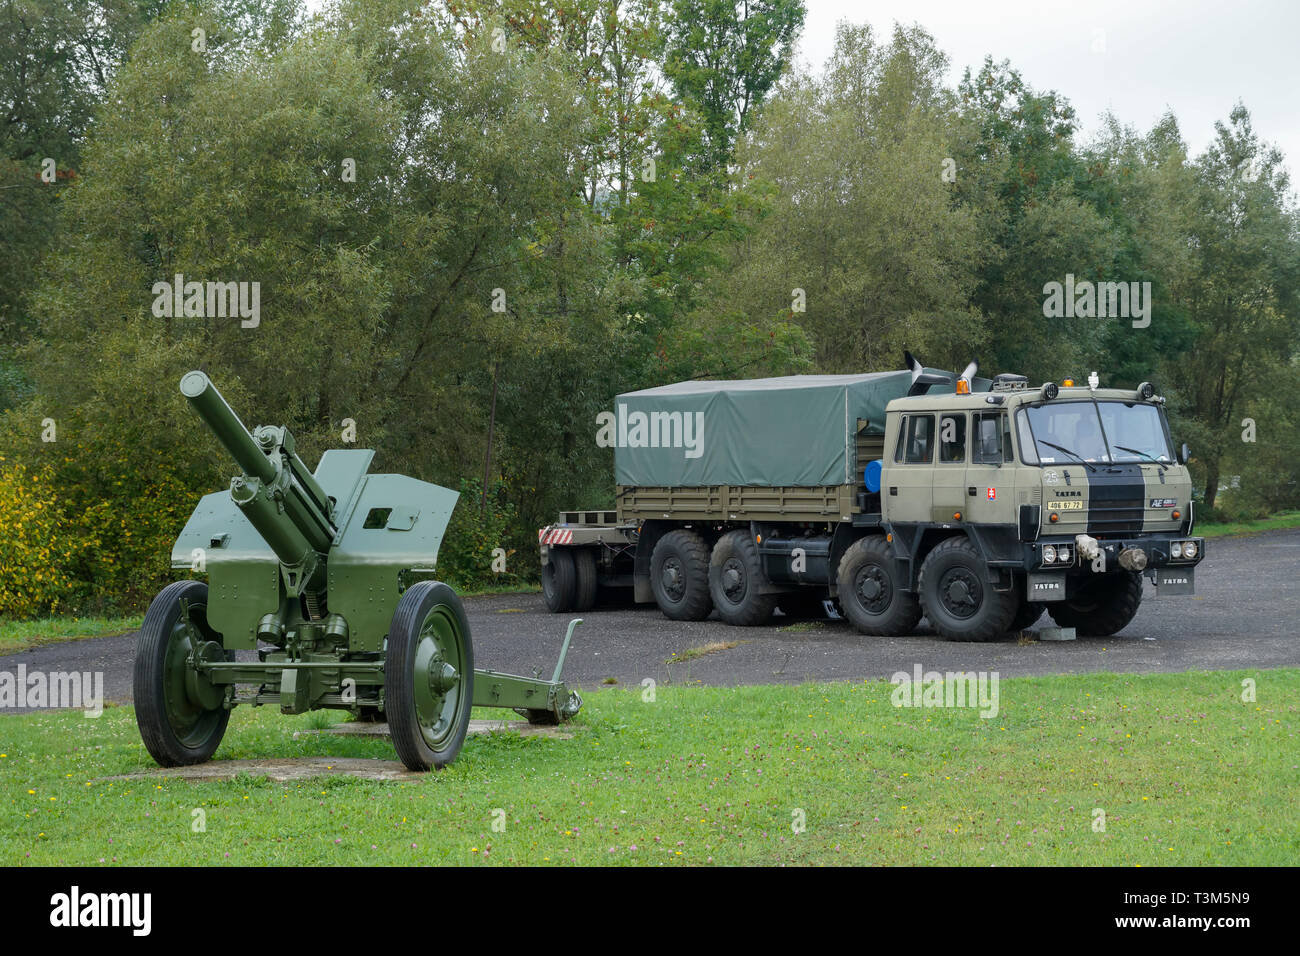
326 578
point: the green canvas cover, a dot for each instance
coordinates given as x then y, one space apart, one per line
798 430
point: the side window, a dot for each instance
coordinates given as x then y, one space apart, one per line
920 439
902 438
987 444
952 438
1008 454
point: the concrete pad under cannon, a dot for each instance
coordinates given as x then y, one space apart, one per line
283 770
521 727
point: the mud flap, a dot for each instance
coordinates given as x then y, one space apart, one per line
1175 581
1045 587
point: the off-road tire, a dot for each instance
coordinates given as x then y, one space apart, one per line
685 597
559 580
584 566
737 579
1104 607
870 594
957 598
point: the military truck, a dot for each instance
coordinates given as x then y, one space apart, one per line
886 497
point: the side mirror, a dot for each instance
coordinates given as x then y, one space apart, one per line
1184 454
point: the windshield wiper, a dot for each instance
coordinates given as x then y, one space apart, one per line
1087 464
1148 457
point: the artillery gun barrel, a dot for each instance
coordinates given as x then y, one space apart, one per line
225 424
286 506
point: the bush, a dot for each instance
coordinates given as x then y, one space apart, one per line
466 557
37 550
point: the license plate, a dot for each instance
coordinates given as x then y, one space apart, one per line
1175 581
1045 587
1067 505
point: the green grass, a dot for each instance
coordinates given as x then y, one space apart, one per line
1186 772
20 635
1287 519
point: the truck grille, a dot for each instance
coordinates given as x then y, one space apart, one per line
1116 502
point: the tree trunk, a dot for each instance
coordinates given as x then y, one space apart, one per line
487 455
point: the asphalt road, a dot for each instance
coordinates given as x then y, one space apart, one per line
1246 614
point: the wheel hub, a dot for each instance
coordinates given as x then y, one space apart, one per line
673 578
960 592
873 589
733 580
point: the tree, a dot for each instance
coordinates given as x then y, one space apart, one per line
723 56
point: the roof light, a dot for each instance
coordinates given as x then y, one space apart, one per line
1068 383
963 387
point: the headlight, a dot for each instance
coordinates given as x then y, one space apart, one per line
1176 549
1189 549
1049 554
1063 555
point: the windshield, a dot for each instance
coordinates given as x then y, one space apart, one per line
1107 431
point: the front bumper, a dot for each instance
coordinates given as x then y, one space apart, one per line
1152 554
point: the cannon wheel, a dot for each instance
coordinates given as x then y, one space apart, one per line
181 716
429 673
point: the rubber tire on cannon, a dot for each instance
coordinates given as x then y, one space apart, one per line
182 716
429 676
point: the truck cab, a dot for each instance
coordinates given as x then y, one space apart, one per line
1000 504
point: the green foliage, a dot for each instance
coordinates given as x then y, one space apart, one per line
37 550
723 57
478 539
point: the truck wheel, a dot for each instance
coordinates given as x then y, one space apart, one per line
958 600
559 580
584 566
181 715
736 579
679 576
429 673
870 595
1103 607
1027 615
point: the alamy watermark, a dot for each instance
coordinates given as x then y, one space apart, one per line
1085 299
75 690
208 300
684 430
950 689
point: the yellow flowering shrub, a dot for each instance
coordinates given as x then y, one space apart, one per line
37 548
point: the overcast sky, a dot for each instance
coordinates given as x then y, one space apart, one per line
1193 57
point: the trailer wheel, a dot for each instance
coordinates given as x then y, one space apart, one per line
958 600
429 676
181 715
736 580
679 576
584 566
559 580
870 595
1104 607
